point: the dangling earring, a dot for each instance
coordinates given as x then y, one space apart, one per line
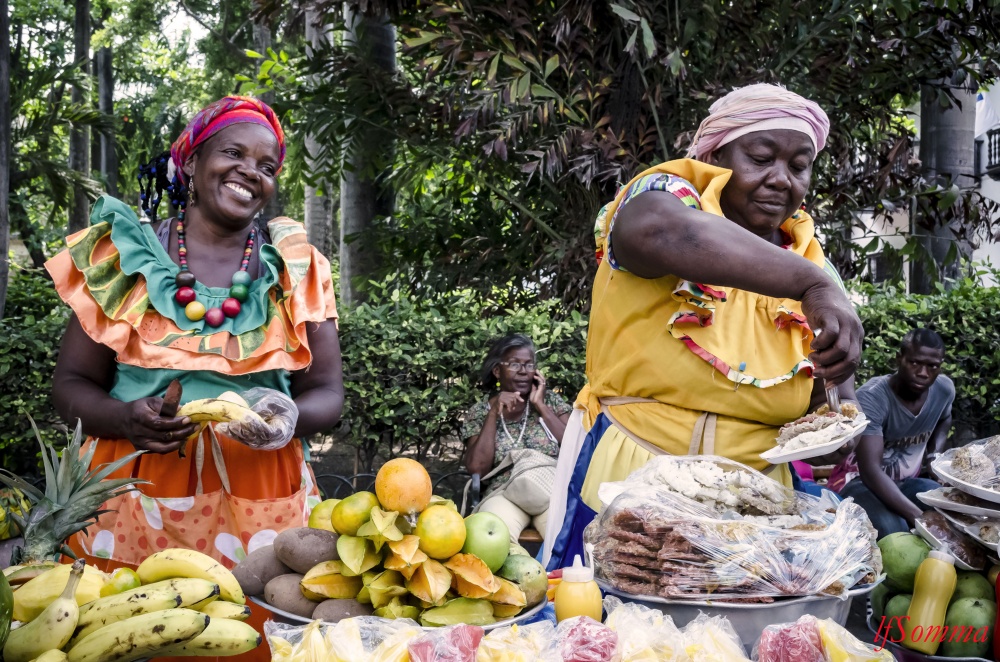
191 191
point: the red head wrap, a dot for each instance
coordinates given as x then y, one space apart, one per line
217 116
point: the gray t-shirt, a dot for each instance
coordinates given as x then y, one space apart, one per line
905 435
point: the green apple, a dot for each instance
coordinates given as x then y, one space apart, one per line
487 537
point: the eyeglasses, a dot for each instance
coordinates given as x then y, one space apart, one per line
517 367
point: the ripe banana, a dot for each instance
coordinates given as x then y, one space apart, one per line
54 655
222 637
217 410
223 609
50 629
163 595
140 636
176 562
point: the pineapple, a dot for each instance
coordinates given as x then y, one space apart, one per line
72 498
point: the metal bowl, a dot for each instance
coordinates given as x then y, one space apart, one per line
749 620
289 618
903 654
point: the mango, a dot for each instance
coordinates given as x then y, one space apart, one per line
972 620
902 554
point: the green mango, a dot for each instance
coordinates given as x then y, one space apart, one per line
6 609
976 618
880 595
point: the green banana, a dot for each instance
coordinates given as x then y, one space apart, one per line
170 594
53 628
222 637
223 609
177 562
139 637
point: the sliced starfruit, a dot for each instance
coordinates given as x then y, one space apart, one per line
441 501
459 610
505 611
366 579
472 578
326 580
508 594
388 585
381 528
398 609
357 555
430 582
343 643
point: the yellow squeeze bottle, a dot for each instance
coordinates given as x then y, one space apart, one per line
932 590
578 594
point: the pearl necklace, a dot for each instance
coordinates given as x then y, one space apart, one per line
524 426
185 295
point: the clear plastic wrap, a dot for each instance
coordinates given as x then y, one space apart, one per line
276 425
582 639
706 527
713 639
358 639
455 643
519 643
791 642
842 646
644 634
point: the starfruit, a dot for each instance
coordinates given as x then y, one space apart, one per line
344 642
385 587
357 555
441 501
327 580
508 594
398 609
505 611
405 556
366 579
381 528
430 582
459 610
472 578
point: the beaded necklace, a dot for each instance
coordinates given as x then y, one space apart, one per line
194 310
524 426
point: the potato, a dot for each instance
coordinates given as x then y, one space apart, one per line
284 593
302 549
258 568
333 611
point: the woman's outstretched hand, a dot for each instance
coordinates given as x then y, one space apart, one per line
505 401
148 431
836 349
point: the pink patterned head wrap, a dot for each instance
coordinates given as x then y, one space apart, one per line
217 116
759 107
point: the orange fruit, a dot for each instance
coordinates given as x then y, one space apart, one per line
403 485
321 515
353 511
441 531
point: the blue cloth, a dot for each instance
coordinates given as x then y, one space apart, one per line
884 520
569 542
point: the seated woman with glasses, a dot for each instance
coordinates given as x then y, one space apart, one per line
520 413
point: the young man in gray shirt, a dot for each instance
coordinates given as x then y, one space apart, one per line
908 411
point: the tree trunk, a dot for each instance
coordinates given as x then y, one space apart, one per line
106 102
946 155
79 140
5 128
362 196
319 198
262 42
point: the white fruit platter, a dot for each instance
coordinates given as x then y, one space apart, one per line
939 499
294 619
942 467
778 454
974 530
939 544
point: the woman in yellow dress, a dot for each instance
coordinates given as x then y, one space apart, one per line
705 304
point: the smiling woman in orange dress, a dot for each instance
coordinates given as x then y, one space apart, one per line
220 301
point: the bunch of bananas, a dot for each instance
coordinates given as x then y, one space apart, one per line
187 605
12 500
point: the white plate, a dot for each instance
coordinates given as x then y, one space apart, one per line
973 530
776 456
960 520
939 545
942 467
937 499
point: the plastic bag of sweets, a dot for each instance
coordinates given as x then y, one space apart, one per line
791 642
456 643
582 639
644 634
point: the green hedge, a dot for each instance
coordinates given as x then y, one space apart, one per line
410 367
33 324
964 316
